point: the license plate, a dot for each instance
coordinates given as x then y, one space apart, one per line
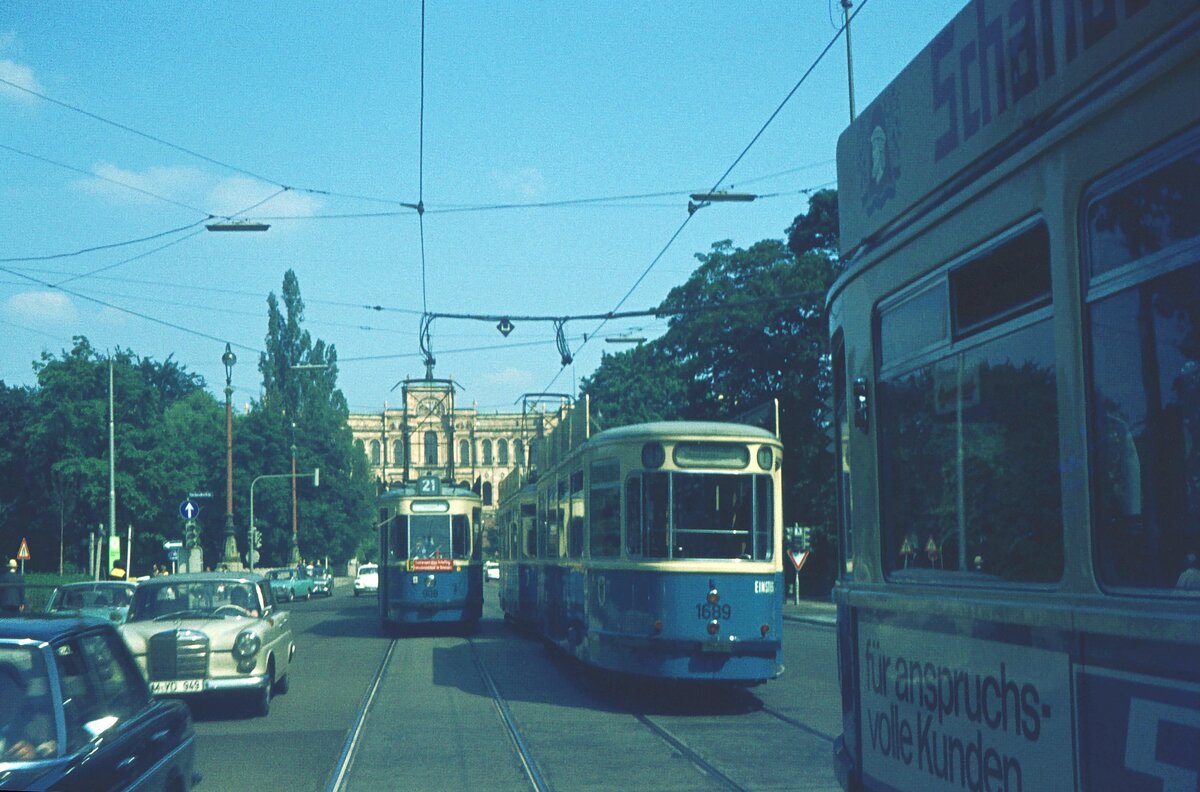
178 686
717 647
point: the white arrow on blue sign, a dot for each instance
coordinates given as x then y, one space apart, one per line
189 509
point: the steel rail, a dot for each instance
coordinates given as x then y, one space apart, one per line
536 780
696 759
340 771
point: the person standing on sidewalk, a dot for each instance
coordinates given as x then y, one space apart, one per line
12 591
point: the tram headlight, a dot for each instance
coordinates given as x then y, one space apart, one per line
653 456
431 581
714 596
765 458
713 627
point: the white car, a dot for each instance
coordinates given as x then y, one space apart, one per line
368 579
492 569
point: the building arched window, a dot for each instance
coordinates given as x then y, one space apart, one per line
464 452
519 453
502 451
398 452
487 492
431 448
361 447
487 452
374 452
533 451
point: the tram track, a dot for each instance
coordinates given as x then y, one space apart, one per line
528 764
341 769
801 726
701 764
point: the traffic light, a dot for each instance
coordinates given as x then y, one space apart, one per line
191 534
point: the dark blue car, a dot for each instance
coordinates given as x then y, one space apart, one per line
76 714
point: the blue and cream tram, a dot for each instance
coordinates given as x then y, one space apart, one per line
656 549
516 517
430 570
1016 361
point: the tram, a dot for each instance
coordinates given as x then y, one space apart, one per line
1016 363
516 517
430 569
655 550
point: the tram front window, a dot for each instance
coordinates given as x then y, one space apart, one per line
429 536
711 516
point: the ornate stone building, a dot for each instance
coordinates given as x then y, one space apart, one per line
428 433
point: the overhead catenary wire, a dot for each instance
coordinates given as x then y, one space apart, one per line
723 177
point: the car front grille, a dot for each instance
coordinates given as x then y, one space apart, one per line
177 654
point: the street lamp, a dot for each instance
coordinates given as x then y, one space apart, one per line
701 200
231 553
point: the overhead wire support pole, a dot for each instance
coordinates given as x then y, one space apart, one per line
846 4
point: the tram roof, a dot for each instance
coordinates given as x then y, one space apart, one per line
722 430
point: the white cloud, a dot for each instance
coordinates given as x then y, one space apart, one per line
528 183
186 185
235 194
45 307
20 75
510 377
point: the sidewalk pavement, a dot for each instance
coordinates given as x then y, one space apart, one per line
810 611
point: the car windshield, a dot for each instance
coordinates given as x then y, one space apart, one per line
91 595
27 729
209 599
368 570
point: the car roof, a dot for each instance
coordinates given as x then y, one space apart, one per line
47 629
87 584
204 577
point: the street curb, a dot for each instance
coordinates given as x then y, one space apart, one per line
820 621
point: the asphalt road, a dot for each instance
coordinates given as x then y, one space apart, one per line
433 723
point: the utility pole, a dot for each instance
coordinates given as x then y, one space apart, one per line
849 55
112 457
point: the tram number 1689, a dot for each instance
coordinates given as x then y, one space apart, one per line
708 610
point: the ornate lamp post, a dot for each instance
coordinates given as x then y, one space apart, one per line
230 559
295 534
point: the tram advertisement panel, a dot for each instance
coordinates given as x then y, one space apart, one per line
950 712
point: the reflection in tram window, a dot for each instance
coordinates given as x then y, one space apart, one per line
1145 344
970 463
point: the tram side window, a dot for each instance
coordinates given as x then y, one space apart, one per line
460 535
970 481
841 426
633 516
576 514
528 523
655 514
397 536
1143 241
604 509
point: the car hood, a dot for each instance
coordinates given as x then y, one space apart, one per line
221 632
30 775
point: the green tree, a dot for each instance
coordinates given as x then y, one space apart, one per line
635 386
301 400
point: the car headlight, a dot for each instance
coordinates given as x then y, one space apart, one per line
246 645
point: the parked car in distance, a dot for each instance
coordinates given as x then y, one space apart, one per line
290 584
322 581
208 632
75 713
104 599
492 569
367 581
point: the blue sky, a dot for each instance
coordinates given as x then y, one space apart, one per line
524 103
